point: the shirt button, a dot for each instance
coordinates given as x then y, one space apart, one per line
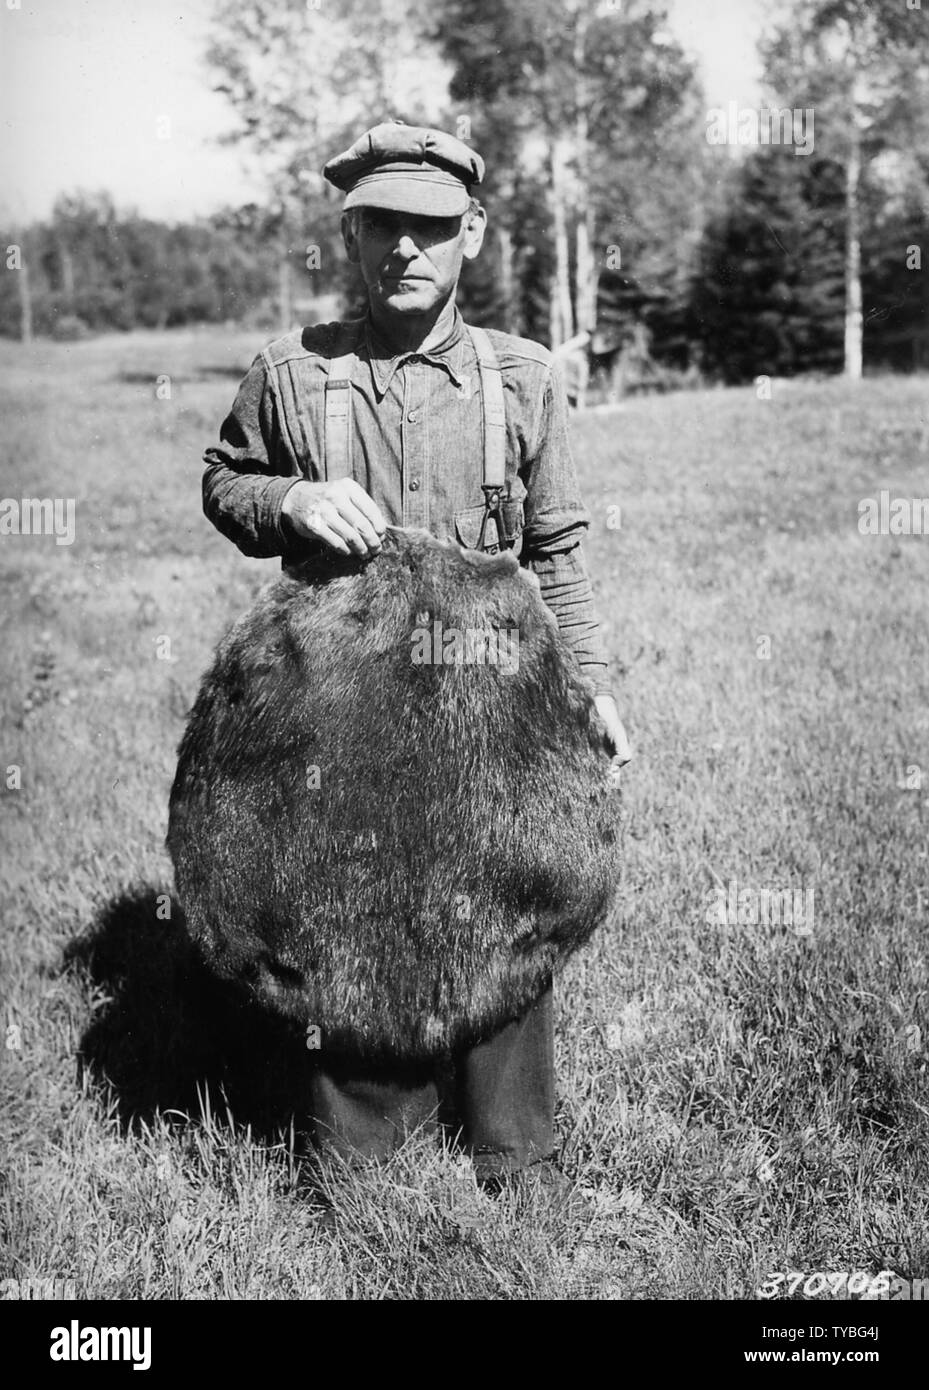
413 416
414 485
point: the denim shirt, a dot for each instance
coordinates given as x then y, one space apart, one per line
417 450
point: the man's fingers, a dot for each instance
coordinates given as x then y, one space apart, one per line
328 518
355 518
341 515
348 511
317 529
367 506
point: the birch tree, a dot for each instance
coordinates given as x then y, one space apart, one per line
304 79
863 69
582 90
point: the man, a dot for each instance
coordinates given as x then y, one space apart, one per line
342 429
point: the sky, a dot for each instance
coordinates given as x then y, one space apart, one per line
114 94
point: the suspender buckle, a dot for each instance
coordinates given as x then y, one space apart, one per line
493 498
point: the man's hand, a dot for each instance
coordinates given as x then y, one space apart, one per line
340 514
615 734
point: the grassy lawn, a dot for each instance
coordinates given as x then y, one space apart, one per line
736 1099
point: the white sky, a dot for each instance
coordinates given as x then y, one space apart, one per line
84 84
723 35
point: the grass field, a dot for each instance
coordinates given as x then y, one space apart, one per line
736 1100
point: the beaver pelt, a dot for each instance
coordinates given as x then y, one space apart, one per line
391 817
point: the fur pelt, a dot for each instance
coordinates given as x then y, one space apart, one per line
397 851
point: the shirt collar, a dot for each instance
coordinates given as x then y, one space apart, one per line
447 354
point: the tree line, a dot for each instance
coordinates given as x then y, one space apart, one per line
92 268
619 217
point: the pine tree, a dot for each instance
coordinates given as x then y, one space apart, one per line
768 294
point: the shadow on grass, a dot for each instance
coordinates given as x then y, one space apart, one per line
165 1027
207 373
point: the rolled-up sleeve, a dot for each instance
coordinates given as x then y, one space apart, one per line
556 522
249 473
566 589
555 517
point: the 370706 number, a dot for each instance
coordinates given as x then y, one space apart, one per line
856 1283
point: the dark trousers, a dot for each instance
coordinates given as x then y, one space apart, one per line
498 1096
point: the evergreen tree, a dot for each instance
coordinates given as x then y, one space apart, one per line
768 294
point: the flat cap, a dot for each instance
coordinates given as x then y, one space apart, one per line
408 169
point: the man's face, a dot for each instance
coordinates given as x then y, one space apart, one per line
410 263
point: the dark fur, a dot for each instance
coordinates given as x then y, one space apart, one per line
462 841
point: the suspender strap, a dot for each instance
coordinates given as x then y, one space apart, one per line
494 475
494 413
338 428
